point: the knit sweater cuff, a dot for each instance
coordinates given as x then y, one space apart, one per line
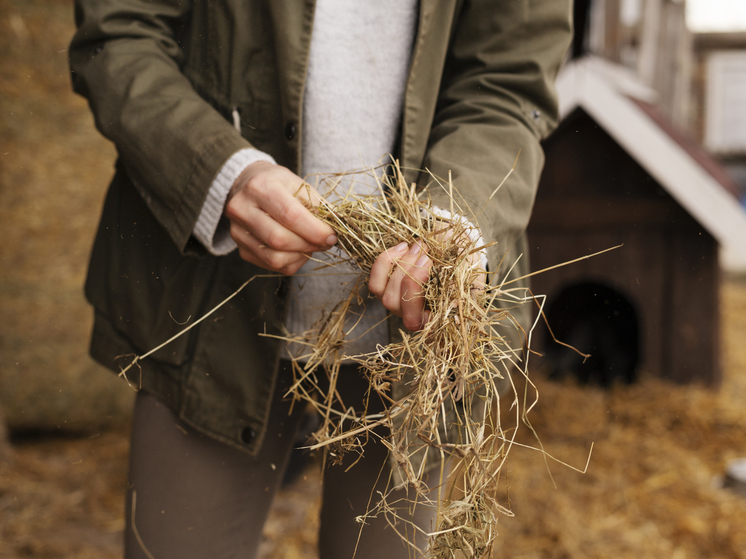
472 230
212 228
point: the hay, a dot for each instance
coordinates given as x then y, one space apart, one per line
647 492
454 368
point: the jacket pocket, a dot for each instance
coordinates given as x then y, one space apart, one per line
138 279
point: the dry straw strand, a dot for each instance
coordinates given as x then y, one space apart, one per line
454 368
457 371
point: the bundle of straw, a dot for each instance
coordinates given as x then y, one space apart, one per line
442 383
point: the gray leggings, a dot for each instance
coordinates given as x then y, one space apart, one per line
197 498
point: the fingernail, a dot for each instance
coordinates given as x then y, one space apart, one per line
401 247
331 240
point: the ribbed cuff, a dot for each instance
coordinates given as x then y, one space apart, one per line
472 230
212 228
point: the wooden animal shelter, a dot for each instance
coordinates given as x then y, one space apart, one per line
617 174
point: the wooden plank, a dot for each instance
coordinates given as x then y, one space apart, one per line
598 213
720 40
612 33
583 160
636 271
694 309
647 52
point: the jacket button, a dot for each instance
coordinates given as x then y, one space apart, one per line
248 435
290 131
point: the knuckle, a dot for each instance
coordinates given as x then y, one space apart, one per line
375 289
277 239
291 269
385 260
390 301
236 231
290 212
275 260
410 288
231 210
255 186
412 319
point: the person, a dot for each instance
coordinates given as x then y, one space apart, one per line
217 110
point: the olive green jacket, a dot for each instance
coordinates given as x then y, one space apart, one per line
163 77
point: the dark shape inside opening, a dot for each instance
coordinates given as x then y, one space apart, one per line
595 320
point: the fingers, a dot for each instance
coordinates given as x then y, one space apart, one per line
253 250
273 189
288 270
271 226
397 279
382 268
412 293
289 211
272 234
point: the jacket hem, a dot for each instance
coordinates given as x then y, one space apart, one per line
110 348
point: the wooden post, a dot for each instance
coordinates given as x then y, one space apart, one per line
613 32
665 58
647 54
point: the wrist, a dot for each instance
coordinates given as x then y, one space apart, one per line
247 174
210 229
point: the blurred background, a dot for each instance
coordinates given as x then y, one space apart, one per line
651 152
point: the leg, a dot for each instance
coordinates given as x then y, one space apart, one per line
350 494
196 497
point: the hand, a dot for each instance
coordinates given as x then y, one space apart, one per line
269 221
401 290
398 276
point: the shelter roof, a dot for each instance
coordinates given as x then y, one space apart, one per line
626 110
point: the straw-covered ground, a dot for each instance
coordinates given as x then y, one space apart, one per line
650 489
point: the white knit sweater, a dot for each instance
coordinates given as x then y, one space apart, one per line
359 58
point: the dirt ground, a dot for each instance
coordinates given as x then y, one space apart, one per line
651 489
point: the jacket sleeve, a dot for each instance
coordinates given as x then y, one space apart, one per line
496 102
126 59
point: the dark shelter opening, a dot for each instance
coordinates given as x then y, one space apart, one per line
595 320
